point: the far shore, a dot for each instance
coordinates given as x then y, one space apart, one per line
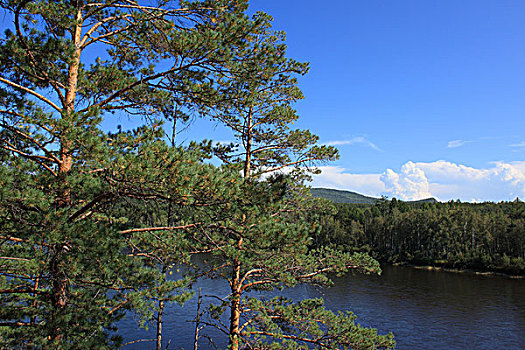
458 270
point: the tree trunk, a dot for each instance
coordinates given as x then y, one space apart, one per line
159 324
66 157
248 158
165 267
235 305
197 322
235 316
60 281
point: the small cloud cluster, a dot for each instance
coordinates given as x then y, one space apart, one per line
352 141
410 184
518 145
441 179
456 143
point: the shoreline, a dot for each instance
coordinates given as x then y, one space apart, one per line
456 270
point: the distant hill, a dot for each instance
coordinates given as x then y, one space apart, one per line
339 196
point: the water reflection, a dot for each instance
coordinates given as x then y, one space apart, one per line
437 310
424 309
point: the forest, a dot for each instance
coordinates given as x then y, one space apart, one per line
478 236
99 201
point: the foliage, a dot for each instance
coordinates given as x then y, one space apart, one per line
255 94
91 221
282 324
66 274
484 236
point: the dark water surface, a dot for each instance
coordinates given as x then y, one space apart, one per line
424 309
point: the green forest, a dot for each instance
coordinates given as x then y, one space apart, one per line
93 221
478 236
101 205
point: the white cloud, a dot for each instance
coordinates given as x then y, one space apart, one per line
338 178
501 181
521 144
410 184
352 141
519 165
441 179
456 143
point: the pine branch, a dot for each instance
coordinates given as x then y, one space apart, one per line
31 92
292 337
89 205
50 156
166 228
55 84
35 158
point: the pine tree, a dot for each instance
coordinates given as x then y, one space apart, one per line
76 255
255 98
263 240
64 67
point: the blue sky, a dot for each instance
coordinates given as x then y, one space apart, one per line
422 98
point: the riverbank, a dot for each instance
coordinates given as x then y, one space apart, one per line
459 270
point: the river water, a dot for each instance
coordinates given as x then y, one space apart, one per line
423 309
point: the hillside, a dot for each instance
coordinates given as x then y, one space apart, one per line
340 196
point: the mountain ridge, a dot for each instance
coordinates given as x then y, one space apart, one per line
343 196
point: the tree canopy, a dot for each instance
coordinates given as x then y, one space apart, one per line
92 221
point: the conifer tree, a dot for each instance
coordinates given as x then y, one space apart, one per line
263 240
74 257
64 67
256 95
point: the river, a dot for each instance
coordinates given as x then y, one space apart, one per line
423 309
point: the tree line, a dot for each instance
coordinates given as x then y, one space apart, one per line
481 236
92 221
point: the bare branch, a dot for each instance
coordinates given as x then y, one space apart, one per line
16 324
95 27
247 274
13 258
20 240
138 341
22 290
256 283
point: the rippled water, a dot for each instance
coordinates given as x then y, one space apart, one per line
424 309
